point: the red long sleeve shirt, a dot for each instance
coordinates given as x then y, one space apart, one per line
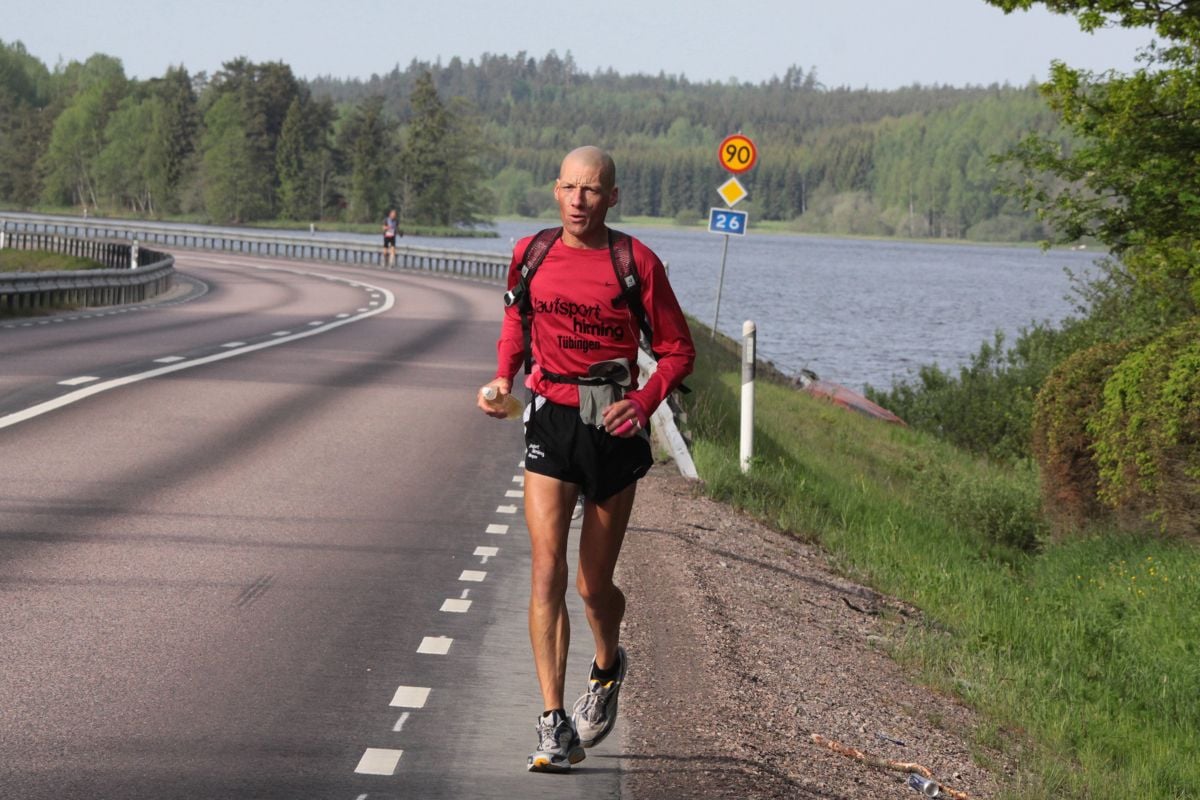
576 325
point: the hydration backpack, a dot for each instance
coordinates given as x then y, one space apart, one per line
620 250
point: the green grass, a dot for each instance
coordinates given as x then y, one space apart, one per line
1083 655
41 261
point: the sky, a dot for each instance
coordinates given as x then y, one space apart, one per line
877 44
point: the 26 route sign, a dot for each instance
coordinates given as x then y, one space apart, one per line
727 221
737 153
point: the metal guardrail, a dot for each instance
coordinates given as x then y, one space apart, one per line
132 274
487 266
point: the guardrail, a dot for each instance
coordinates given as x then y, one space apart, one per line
133 274
487 266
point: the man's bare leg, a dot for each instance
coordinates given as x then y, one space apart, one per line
600 542
548 506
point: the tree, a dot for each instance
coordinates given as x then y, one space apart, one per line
176 131
441 173
25 122
78 134
265 92
367 143
303 158
1130 175
126 171
234 176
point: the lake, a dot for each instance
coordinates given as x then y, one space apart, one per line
853 311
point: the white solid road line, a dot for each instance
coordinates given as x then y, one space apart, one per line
280 338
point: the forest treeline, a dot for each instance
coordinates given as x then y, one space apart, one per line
454 143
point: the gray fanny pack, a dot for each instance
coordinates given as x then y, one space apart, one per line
611 379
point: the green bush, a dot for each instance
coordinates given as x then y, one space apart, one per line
1062 446
999 510
1148 431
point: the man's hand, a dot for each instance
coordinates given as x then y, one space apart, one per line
622 419
503 387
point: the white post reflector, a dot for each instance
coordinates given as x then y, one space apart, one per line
749 361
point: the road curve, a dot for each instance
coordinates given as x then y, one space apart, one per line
257 542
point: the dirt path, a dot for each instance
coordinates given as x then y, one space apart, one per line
743 643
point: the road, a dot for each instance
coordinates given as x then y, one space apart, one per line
257 542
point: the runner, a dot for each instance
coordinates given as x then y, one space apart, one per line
586 431
391 226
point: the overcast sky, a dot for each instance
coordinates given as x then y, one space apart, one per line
879 44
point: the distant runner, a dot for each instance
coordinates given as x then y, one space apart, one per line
586 430
391 227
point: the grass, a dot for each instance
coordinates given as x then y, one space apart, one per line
1083 655
41 261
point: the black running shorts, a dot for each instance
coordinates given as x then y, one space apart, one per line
559 445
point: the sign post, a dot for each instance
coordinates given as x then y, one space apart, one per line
737 154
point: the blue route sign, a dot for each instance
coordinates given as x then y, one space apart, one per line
727 221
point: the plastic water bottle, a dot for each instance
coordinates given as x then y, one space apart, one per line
510 403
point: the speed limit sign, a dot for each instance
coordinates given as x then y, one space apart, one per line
737 153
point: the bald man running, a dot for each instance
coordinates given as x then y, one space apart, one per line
581 437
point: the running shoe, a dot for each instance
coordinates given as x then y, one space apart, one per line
595 713
558 745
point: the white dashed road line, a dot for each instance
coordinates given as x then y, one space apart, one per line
411 697
379 761
435 645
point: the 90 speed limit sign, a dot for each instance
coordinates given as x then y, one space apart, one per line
737 153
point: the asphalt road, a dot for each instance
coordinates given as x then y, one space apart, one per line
257 542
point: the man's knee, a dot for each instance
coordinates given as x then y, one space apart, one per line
595 589
549 579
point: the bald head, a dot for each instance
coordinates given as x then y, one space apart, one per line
590 158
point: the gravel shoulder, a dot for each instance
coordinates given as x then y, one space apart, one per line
743 643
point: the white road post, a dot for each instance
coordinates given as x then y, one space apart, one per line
133 255
749 362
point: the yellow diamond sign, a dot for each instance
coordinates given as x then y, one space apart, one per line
731 191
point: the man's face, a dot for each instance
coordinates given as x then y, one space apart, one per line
583 202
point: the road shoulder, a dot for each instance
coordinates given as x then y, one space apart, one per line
743 643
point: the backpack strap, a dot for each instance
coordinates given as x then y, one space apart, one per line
531 259
620 250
